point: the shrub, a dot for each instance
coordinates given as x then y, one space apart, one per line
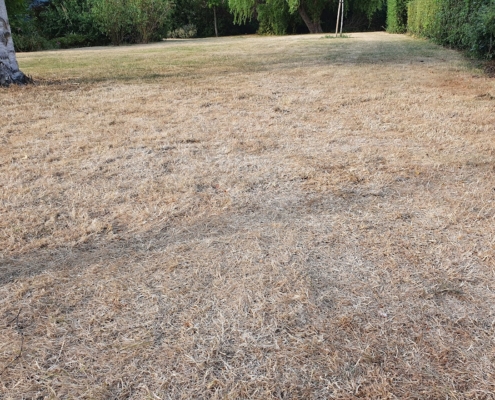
151 19
23 28
479 35
396 16
71 40
423 17
185 32
132 20
463 24
114 18
72 20
31 43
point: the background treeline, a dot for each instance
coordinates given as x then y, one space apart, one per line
463 24
52 24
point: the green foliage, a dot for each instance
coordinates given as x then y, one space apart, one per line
70 19
151 19
18 13
114 18
396 16
59 24
481 39
24 32
38 43
464 24
184 32
314 8
368 7
423 17
16 7
70 40
214 3
200 14
31 43
273 17
132 20
243 10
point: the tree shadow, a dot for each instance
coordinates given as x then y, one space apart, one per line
134 247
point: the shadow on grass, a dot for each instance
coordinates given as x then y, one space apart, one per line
324 53
123 79
136 247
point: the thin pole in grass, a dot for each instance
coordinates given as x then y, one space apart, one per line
340 18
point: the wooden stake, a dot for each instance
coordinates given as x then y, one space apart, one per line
338 19
342 19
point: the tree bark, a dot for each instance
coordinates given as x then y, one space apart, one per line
313 26
9 69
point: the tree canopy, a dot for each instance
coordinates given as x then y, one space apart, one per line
275 12
52 24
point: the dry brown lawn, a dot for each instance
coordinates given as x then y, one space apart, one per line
249 218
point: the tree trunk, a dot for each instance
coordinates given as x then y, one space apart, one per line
9 69
313 26
215 20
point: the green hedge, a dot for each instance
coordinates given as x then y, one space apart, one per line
463 24
397 16
423 17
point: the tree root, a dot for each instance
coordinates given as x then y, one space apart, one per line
9 77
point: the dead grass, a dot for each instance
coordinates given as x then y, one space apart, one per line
257 218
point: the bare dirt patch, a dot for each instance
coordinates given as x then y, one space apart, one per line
264 218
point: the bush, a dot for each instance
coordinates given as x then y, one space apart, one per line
70 21
463 24
200 13
479 35
152 17
396 16
132 21
185 32
114 18
423 17
37 43
71 40
45 25
31 43
23 28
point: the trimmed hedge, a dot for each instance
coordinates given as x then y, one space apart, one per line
397 16
463 24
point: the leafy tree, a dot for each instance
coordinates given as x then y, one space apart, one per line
114 18
214 4
132 20
199 13
151 19
273 17
369 7
274 12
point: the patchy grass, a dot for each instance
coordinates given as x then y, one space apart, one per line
262 218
